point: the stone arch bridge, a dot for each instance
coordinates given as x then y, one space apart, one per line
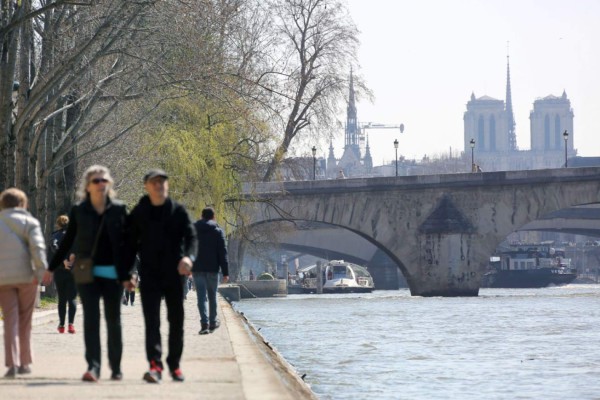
440 229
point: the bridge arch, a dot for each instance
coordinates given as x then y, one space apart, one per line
442 227
582 219
330 241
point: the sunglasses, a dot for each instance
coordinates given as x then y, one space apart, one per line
99 180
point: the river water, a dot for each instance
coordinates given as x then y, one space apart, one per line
504 344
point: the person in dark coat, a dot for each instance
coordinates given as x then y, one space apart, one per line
212 257
97 230
161 231
129 294
63 278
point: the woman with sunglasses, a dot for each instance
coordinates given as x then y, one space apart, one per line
96 230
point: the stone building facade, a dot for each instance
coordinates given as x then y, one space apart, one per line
490 123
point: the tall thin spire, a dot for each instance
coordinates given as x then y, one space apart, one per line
352 132
351 100
512 136
368 160
331 155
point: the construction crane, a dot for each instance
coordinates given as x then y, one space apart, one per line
373 125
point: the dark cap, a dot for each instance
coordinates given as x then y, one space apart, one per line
153 173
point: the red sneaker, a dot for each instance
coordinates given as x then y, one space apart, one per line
71 329
177 375
154 375
90 376
61 329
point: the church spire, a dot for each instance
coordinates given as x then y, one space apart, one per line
512 136
368 160
331 161
352 133
331 156
351 100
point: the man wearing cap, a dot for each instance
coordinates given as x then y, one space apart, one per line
162 233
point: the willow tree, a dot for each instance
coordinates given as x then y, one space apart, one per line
207 151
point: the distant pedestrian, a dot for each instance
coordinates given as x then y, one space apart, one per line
161 231
63 278
22 266
96 232
129 293
129 297
212 256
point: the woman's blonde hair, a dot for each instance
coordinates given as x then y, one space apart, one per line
13 197
62 221
82 193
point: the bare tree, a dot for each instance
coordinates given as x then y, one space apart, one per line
316 46
79 65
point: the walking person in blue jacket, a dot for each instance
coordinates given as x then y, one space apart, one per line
212 256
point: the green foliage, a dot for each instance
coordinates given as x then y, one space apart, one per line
205 150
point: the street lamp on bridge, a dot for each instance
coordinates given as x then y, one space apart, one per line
472 143
566 137
314 153
396 147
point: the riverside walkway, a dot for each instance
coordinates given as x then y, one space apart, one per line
231 363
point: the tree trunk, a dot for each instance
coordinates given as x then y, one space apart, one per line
7 75
281 150
23 138
70 166
6 87
46 178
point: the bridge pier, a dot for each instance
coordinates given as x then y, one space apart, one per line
447 266
385 272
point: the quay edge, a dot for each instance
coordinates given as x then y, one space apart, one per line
258 359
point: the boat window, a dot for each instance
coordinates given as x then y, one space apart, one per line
339 272
360 271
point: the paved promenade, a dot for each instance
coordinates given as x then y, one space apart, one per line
231 363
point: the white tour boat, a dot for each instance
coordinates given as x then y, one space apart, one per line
338 276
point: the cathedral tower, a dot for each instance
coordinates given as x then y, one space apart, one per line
551 116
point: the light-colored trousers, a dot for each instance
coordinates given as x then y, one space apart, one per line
17 303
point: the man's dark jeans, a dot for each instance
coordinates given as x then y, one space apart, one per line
151 291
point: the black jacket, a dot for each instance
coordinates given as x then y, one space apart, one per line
161 241
212 251
84 222
55 240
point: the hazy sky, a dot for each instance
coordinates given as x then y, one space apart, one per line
422 59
